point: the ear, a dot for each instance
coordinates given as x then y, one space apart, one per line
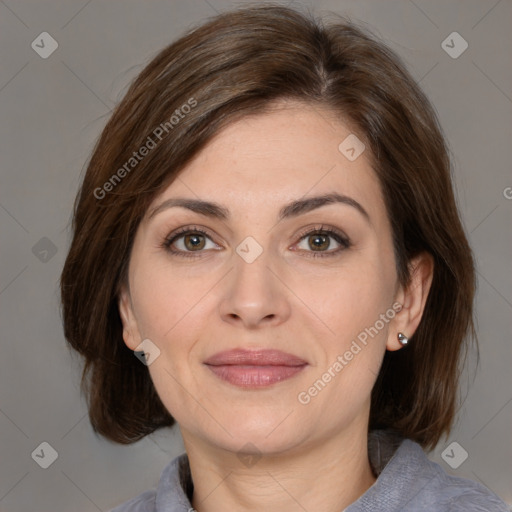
413 299
131 335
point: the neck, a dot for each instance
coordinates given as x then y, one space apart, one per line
328 477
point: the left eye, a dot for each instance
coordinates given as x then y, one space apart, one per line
321 241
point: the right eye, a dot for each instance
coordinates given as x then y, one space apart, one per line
187 241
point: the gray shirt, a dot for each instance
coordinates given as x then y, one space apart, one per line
406 481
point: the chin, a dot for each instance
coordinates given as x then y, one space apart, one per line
270 434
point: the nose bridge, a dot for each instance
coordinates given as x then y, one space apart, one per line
251 279
254 294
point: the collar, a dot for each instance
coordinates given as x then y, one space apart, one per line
389 456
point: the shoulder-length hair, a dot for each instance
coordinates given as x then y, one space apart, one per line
233 66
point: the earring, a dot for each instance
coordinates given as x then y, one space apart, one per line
403 339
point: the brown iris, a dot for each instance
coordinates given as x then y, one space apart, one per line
194 241
318 242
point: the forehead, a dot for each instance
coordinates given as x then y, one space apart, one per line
295 150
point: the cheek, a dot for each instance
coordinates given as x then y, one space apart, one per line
358 312
166 299
171 314
356 298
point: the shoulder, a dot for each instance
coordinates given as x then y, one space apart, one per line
144 502
449 493
408 481
477 500
170 494
456 494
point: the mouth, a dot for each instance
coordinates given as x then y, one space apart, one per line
254 368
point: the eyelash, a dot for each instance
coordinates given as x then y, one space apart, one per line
339 237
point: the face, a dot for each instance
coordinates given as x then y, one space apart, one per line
269 312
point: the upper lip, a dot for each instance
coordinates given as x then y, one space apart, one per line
259 357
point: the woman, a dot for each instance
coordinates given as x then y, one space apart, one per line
268 224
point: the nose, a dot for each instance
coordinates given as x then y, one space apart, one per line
254 296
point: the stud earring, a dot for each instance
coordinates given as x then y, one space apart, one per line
403 339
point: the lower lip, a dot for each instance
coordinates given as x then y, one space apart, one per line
248 376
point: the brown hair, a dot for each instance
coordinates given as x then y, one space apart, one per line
233 66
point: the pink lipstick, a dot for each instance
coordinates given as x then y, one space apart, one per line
254 368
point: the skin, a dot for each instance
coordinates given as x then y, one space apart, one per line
311 454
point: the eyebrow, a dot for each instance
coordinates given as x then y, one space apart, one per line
293 209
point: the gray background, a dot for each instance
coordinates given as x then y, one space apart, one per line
52 110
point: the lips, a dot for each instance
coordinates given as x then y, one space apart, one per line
254 368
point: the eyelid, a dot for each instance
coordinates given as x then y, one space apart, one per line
184 230
325 228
